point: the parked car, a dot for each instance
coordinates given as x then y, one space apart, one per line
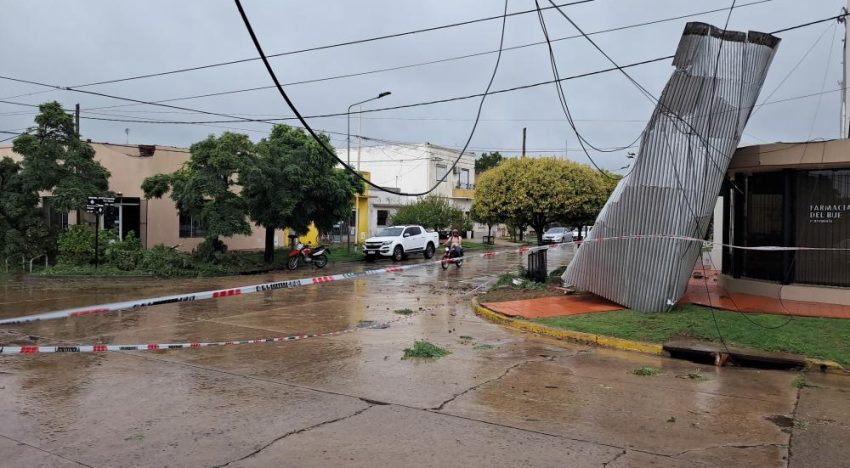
556 235
400 241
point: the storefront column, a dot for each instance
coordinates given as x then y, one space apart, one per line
788 225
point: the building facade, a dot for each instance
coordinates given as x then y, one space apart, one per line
788 195
158 221
411 169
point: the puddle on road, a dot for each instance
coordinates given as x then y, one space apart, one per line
782 421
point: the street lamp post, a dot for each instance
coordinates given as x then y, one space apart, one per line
348 158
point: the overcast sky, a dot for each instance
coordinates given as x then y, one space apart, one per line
70 43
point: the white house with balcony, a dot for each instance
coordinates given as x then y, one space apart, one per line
413 168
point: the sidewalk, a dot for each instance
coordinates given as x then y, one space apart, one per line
554 306
707 292
701 291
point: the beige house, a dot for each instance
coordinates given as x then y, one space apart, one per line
153 221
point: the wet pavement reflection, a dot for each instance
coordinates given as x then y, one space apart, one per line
499 398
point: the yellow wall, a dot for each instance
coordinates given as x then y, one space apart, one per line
311 238
361 202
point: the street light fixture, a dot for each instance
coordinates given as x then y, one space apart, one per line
348 157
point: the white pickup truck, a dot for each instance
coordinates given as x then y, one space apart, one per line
400 241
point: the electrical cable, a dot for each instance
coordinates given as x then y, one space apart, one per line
796 65
565 107
332 153
327 46
708 156
379 109
444 60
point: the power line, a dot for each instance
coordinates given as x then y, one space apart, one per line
330 151
327 46
339 114
383 109
444 60
562 100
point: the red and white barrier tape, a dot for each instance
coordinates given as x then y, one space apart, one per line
98 348
196 296
214 294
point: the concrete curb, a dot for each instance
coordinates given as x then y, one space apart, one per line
822 365
561 334
825 365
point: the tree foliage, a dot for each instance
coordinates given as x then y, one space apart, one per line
55 160
23 230
205 187
431 213
52 160
539 191
292 182
488 161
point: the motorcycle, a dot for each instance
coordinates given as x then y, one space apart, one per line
301 253
449 257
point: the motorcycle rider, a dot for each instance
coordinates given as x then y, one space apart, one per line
455 243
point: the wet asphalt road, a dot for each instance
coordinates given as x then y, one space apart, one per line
500 399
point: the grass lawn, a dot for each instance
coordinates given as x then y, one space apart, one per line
340 253
814 337
469 245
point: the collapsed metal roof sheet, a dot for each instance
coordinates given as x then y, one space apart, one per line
676 177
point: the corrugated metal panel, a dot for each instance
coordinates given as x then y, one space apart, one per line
675 180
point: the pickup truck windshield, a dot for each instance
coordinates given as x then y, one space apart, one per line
390 232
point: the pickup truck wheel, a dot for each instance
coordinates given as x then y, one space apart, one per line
429 250
398 253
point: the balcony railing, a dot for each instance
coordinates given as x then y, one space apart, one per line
465 186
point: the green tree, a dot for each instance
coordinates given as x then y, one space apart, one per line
431 213
23 230
205 187
540 191
488 217
55 160
292 182
488 161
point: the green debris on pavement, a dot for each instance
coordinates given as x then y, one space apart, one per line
425 349
482 347
646 371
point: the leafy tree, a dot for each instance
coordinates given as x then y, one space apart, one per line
488 161
23 230
485 216
55 160
540 191
292 182
430 212
205 186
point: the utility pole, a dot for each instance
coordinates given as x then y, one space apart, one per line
77 119
845 63
523 139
